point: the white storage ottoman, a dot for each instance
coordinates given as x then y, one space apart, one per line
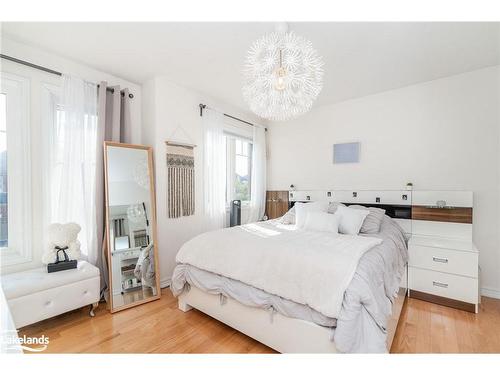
35 295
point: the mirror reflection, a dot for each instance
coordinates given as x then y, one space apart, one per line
130 225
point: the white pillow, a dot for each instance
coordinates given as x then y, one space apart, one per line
351 219
301 210
322 222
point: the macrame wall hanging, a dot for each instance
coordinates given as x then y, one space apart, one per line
180 167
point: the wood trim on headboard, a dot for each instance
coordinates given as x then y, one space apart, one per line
276 203
450 215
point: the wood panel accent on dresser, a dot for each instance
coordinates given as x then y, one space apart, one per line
276 203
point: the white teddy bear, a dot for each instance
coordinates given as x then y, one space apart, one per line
62 236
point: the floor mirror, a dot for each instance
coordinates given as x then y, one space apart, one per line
130 225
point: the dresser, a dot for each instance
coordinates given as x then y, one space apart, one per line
444 262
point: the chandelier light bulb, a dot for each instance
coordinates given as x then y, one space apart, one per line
280 75
280 79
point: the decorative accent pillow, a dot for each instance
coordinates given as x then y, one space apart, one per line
332 208
322 222
351 219
373 221
301 210
289 217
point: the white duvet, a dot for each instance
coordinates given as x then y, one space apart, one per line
311 268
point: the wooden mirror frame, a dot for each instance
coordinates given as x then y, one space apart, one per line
149 150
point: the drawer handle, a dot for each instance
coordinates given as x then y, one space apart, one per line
441 285
440 260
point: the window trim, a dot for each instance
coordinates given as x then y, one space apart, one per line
23 253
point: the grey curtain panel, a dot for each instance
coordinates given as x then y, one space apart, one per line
114 125
114 114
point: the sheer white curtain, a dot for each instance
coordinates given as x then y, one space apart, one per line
258 188
214 168
73 154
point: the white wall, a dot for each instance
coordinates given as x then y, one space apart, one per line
442 134
166 107
37 80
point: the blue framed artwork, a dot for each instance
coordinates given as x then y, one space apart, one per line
346 153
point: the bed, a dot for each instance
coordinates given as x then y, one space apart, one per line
271 286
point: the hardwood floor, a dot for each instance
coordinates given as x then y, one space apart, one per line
155 327
159 327
428 328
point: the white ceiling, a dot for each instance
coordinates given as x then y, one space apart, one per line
360 58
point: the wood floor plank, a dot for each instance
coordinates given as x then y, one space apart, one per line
423 340
409 326
443 329
464 340
450 332
160 327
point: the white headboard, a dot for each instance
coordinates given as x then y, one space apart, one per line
389 197
419 212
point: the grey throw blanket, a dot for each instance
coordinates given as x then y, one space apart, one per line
367 306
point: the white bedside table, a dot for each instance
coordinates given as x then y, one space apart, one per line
444 271
444 263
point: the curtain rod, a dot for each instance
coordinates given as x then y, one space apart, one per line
42 68
203 106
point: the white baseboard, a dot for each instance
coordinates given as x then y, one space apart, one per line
492 293
165 283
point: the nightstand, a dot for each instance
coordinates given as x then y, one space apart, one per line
444 262
444 271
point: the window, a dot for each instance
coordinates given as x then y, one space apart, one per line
239 168
15 170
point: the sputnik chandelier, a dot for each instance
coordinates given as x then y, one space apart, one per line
282 75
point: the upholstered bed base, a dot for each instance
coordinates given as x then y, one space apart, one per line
281 333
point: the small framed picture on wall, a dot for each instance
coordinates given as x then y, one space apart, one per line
346 153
